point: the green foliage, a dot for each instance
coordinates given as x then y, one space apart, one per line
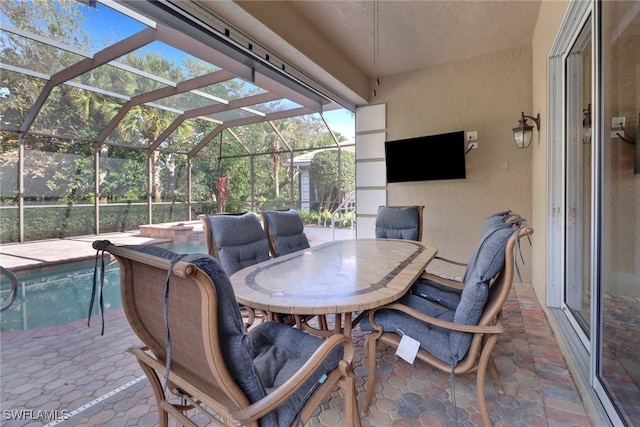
59 170
310 217
324 219
332 181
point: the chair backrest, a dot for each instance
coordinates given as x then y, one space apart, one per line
209 355
285 231
399 222
489 226
487 286
236 240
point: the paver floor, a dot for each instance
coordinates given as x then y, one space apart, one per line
72 376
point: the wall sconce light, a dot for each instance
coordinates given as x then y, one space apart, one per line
524 131
586 125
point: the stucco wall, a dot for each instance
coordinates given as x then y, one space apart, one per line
484 94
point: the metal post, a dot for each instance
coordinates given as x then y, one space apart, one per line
96 190
21 187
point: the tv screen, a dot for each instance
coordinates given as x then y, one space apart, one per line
426 158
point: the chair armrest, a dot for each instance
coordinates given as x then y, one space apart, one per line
267 404
474 329
450 261
441 280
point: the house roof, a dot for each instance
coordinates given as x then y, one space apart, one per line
305 159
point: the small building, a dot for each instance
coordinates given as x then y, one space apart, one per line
308 194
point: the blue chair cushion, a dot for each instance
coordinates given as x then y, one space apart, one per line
450 297
287 230
155 251
490 224
436 292
278 352
241 240
489 261
288 244
398 223
432 338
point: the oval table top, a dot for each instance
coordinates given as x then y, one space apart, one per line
342 276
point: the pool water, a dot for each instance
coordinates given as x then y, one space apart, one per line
58 297
63 295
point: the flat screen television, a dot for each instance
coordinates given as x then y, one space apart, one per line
426 158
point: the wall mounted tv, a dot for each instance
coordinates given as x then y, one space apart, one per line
426 158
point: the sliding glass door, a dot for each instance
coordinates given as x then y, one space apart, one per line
578 180
593 282
618 365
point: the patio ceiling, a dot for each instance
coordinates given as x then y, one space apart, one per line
208 61
344 46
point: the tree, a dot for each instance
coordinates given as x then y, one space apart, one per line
76 114
324 175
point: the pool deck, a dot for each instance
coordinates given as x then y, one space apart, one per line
30 255
74 374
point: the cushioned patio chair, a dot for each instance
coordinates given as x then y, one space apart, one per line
399 222
447 291
183 309
457 339
285 231
237 240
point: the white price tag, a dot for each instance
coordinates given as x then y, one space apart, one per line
408 348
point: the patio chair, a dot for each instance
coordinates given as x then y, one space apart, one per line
399 222
446 291
461 339
237 241
285 231
183 309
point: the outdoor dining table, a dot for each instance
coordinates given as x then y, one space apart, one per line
337 278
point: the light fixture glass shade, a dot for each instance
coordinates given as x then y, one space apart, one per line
522 137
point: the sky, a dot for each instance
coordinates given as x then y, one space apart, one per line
342 121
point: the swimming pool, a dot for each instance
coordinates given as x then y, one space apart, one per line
62 296
58 297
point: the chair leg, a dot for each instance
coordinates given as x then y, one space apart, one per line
322 322
351 403
481 397
158 391
370 350
493 371
483 363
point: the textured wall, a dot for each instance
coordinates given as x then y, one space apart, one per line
484 94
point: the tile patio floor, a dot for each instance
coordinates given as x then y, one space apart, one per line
90 380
